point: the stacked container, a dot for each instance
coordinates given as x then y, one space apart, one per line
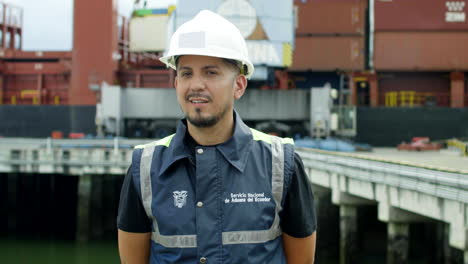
330 35
428 42
35 78
149 78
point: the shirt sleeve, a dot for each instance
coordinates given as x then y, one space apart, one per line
131 215
298 216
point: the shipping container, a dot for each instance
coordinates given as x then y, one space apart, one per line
35 55
307 80
146 78
57 87
330 17
20 67
51 89
148 31
421 51
413 89
329 53
420 15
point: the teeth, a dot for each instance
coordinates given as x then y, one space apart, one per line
197 101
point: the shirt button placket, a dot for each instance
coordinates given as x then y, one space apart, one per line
203 170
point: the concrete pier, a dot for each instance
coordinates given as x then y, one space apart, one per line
348 234
98 197
12 181
328 247
398 236
444 255
97 207
397 243
83 215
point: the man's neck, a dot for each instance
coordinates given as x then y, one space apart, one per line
217 134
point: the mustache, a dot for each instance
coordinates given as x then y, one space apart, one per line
197 95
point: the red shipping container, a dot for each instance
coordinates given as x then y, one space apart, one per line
15 82
57 88
424 51
36 67
146 78
329 54
331 17
432 84
36 55
37 89
420 15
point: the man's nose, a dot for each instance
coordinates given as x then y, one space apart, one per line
197 82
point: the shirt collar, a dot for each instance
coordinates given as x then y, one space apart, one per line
235 150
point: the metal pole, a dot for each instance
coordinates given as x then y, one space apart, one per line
116 143
49 145
371 33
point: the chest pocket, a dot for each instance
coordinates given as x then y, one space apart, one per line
228 237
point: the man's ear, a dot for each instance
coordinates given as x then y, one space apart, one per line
239 86
175 81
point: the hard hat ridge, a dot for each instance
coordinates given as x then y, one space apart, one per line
209 34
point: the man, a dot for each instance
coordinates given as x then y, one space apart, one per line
216 191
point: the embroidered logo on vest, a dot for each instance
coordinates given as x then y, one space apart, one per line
180 198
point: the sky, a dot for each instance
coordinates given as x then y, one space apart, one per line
48 24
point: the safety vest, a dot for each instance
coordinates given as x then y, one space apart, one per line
227 209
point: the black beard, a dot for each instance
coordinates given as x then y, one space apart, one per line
205 122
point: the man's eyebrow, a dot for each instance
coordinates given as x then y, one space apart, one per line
211 67
184 68
207 67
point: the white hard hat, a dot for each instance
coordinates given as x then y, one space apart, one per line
208 34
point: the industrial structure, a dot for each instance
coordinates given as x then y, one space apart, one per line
378 64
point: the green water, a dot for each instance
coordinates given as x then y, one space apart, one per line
14 251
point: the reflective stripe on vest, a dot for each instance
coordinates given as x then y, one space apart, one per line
262 236
185 241
231 237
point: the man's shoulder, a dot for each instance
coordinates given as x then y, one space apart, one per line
161 142
267 138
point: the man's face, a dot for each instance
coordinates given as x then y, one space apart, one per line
206 89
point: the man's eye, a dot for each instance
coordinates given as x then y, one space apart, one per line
212 72
186 74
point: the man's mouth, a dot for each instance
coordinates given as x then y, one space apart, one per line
198 99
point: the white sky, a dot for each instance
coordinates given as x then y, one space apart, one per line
48 24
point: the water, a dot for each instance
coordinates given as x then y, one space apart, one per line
14 251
